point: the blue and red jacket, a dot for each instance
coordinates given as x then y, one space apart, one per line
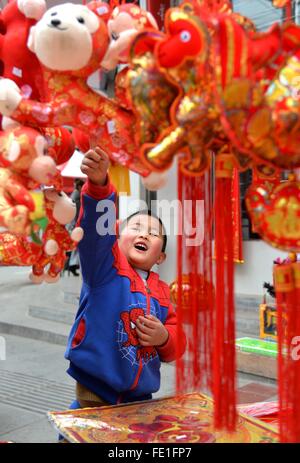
103 347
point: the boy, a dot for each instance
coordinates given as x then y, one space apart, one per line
125 324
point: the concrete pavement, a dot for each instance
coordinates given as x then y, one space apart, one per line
33 380
34 325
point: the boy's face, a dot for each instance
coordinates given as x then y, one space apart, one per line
141 242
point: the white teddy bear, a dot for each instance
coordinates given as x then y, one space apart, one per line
62 38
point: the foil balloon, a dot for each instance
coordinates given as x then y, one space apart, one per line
151 93
183 49
260 120
275 213
223 94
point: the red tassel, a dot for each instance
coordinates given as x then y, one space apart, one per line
224 324
207 315
194 288
287 285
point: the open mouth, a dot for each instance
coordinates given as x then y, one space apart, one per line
141 247
57 27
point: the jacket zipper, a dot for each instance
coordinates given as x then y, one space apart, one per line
148 292
136 380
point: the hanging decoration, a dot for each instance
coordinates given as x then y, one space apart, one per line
193 292
56 240
222 90
48 257
275 213
223 323
19 63
69 99
287 285
22 66
24 169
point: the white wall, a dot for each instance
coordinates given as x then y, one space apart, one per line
167 270
261 12
130 203
259 257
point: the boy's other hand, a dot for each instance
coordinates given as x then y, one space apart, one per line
95 165
151 331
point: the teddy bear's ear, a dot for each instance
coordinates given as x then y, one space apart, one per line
31 39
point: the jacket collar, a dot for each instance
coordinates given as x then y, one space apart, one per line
136 283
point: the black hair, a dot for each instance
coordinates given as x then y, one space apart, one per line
151 214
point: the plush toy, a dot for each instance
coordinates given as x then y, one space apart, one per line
61 144
17 250
19 63
22 66
126 21
56 239
79 40
23 167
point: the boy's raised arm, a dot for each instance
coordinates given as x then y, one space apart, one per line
97 217
95 165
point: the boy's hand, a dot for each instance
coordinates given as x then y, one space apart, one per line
95 165
151 331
